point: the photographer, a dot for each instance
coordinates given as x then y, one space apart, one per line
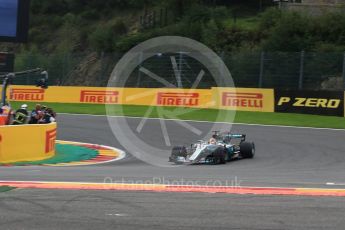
36 114
21 115
48 117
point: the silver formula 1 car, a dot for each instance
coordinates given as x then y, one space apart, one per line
220 149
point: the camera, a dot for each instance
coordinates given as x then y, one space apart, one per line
43 81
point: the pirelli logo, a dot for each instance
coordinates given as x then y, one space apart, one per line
178 99
27 94
50 140
247 100
97 96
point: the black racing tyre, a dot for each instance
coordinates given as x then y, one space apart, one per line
219 156
178 151
209 159
247 149
213 160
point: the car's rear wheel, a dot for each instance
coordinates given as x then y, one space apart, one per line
247 149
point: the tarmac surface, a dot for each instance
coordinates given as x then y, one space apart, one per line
285 157
71 209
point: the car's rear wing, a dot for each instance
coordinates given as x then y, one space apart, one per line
238 136
228 135
235 136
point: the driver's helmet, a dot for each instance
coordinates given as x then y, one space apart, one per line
212 141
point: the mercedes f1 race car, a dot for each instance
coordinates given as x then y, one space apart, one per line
220 149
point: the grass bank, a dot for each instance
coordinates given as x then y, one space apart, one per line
200 114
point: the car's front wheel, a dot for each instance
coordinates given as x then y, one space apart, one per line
219 156
178 151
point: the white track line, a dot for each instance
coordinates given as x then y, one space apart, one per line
164 184
335 184
196 121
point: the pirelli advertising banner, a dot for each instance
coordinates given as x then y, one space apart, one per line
96 95
310 102
30 148
244 99
198 98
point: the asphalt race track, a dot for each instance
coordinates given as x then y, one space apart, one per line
71 209
285 157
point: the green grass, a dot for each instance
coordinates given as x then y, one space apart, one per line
201 114
5 188
65 153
